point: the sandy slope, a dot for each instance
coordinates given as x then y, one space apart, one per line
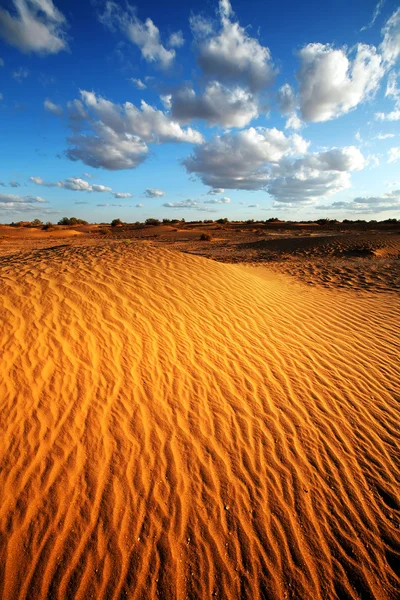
178 428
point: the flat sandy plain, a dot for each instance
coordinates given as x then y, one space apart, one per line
185 418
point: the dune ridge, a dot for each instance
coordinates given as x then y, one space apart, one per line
173 427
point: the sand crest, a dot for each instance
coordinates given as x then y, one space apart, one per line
174 428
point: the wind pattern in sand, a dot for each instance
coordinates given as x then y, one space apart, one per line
176 428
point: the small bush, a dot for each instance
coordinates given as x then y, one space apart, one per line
47 226
152 222
116 222
205 237
71 221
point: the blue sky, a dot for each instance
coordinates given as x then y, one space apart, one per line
199 110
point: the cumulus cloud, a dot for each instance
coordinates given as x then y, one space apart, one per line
138 83
286 99
314 176
267 159
240 160
229 53
144 34
331 84
176 40
390 46
218 105
37 26
394 154
118 134
182 204
369 204
293 122
154 193
53 108
224 200
76 184
122 195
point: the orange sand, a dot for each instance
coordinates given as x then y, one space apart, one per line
177 428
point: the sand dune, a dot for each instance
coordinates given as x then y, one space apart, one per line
173 428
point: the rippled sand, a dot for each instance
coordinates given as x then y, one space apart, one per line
172 428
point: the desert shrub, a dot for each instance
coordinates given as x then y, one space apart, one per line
116 222
47 226
205 237
37 223
152 222
103 231
222 221
71 221
166 221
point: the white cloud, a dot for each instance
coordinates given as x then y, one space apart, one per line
230 54
385 136
265 159
114 205
390 46
394 115
331 84
120 133
314 176
392 91
394 154
12 199
368 205
240 160
182 204
138 83
176 40
53 108
37 26
139 205
293 122
376 14
224 200
143 34
76 184
14 183
219 105
20 74
215 192
154 193
122 195
286 99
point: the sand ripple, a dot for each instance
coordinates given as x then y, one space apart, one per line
177 428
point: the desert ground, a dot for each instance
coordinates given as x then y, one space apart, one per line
192 411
